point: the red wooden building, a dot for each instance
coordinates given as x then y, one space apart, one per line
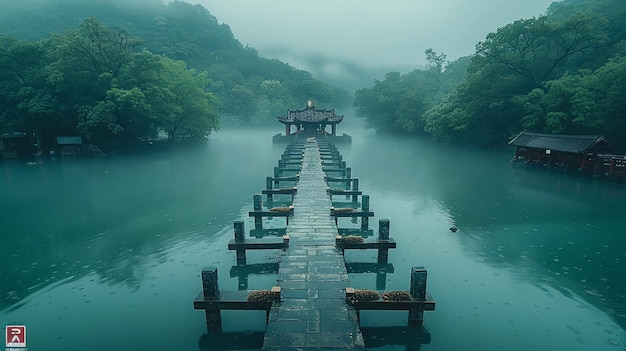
587 153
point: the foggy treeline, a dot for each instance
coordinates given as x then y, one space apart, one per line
119 73
564 72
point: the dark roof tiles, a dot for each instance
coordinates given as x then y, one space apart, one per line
311 115
559 142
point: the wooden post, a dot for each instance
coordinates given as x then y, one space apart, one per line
268 183
355 187
268 186
350 296
365 207
418 292
210 291
276 174
381 280
383 235
258 206
276 293
348 177
240 237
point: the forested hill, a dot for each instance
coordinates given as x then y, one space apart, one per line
564 72
190 33
54 82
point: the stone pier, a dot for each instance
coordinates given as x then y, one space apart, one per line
313 313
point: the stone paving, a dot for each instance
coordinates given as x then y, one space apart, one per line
313 313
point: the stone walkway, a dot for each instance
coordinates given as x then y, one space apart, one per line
313 313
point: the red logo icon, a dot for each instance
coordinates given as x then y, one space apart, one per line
16 335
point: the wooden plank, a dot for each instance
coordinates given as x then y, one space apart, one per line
286 191
337 179
259 244
285 179
270 213
344 192
284 163
352 214
355 231
281 169
230 300
391 244
342 170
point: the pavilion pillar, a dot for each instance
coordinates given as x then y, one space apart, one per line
333 128
287 129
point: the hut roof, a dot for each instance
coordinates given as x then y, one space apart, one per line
311 115
560 142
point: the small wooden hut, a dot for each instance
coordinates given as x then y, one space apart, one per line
581 152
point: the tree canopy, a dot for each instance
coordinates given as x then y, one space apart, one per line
558 73
123 74
398 103
93 82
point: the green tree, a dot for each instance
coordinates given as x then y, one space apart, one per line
87 59
98 48
585 102
510 63
181 104
121 96
119 118
27 102
399 102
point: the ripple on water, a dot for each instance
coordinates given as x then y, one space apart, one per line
593 293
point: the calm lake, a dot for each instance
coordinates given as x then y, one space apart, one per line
106 254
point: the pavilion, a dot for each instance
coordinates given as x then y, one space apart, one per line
311 121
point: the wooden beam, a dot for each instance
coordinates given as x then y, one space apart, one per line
365 245
259 244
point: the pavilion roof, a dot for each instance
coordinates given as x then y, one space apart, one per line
311 115
561 142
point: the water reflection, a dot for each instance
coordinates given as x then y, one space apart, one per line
243 272
112 216
410 337
118 245
561 233
231 341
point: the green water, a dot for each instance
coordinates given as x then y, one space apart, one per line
106 254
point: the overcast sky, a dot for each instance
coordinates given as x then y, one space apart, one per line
368 32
